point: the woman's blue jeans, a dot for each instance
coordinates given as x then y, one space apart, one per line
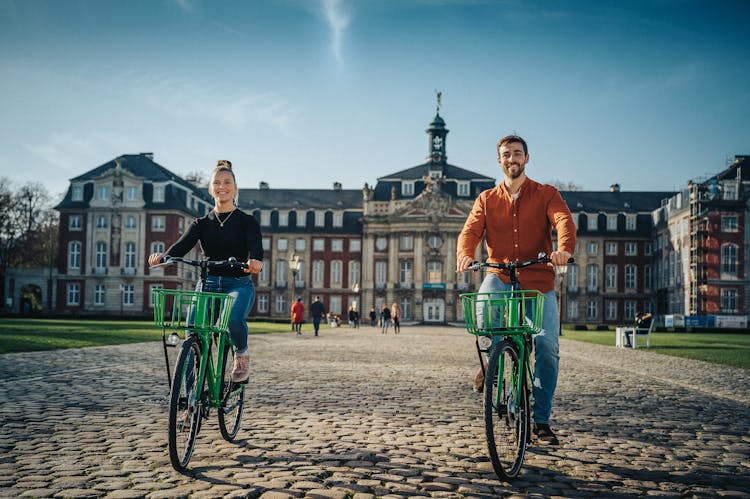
243 290
546 350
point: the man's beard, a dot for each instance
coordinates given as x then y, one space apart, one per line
521 168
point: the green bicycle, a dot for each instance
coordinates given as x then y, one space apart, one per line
202 372
505 321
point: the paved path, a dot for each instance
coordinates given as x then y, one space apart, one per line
360 414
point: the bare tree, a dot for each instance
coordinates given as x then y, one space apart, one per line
562 185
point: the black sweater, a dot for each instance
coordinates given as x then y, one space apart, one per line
240 237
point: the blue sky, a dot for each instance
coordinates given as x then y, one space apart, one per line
303 93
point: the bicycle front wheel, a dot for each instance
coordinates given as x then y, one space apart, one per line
232 398
184 405
506 410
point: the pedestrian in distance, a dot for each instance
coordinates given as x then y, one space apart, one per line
226 232
396 316
385 319
298 314
516 219
353 317
373 317
317 312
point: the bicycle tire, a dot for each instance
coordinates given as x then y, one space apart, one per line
232 399
185 409
506 419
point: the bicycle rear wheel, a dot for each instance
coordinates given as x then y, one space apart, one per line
506 410
232 398
184 406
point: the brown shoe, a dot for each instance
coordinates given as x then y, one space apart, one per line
241 368
544 434
479 381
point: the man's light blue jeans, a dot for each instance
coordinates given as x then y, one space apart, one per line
546 350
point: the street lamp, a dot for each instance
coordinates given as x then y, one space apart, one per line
355 290
294 265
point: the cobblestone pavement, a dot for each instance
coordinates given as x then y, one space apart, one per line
360 414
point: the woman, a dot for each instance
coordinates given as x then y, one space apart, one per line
298 311
226 232
396 315
385 319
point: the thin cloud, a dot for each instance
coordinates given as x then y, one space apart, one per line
337 22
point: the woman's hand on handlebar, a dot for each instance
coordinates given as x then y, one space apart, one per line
253 266
463 262
155 259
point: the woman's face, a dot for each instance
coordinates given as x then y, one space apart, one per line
222 187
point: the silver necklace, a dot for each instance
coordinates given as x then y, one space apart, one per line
222 222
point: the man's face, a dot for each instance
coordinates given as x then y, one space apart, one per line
512 159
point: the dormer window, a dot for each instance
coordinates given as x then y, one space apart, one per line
158 194
464 188
103 192
407 188
77 193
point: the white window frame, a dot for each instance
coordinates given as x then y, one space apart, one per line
592 248
129 255
407 188
128 294
266 242
729 223
610 248
301 218
320 219
318 244
132 193
729 258
611 310
337 274
338 219
631 277
406 273
434 271
355 272
73 294
610 276
381 273
158 223
631 248
611 223
630 308
355 245
283 219
406 242
572 278
74 255
463 189
159 194
337 245
76 193
102 193
592 222
592 310
282 244
265 218
265 273
101 222
728 301
300 244
262 303
131 222
318 273
100 294
100 255
75 222
592 277
630 222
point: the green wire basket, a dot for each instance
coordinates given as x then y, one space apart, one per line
503 312
210 311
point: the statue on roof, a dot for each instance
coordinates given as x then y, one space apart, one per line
439 99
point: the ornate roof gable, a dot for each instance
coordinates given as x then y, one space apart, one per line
433 204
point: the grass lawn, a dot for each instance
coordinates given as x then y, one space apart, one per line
25 335
732 349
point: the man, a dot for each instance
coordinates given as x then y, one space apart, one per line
317 311
516 219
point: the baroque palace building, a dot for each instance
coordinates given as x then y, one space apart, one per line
395 242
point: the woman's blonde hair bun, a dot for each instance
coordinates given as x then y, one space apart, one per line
224 163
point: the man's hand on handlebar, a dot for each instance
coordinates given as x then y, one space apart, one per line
155 259
560 258
253 266
463 262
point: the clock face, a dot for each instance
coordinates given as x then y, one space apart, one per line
381 243
434 242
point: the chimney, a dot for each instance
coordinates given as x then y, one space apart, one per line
337 186
263 186
148 155
614 188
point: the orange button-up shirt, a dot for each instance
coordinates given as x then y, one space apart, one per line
518 229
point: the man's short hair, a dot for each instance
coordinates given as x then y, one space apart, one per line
509 139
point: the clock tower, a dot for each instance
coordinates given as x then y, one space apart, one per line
436 140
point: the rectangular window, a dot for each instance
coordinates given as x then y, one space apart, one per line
729 253
630 277
283 219
730 190
336 273
630 310
282 244
75 222
354 272
158 194
103 193
611 312
611 223
630 222
128 294
573 278
265 273
263 303
151 293
318 270
101 222
157 247
406 243
593 222
281 272
74 293
132 193
405 308
266 243
592 248
158 223
355 245
405 273
77 193
265 218
318 244
610 277
592 310
337 245
301 219
572 309
335 304
647 277
464 188
631 249
434 272
99 292
320 219
610 248
300 244
647 249
74 255
729 224
130 222
729 301
280 304
338 219
381 273
407 188
592 277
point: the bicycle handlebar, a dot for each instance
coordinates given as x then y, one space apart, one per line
204 264
542 258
